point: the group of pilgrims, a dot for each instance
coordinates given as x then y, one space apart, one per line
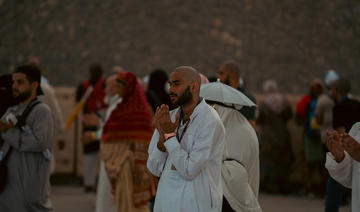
164 146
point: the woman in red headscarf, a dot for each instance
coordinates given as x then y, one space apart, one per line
125 139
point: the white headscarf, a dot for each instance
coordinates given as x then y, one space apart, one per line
273 99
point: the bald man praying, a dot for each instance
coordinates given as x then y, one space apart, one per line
186 149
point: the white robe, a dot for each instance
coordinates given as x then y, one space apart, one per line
240 170
104 200
195 185
347 172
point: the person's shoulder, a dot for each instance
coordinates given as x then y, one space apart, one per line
208 113
247 94
324 99
41 107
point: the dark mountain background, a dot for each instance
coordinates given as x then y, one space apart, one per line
289 41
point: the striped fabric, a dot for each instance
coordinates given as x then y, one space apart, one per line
129 123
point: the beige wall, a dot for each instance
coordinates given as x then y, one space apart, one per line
65 158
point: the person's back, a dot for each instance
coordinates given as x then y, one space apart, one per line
240 168
346 113
324 110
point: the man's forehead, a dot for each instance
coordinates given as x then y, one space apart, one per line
176 76
18 76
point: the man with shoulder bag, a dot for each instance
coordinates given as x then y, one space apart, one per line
26 131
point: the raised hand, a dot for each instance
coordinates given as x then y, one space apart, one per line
335 145
164 123
91 119
351 146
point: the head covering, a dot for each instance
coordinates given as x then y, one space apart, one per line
130 122
33 74
156 91
330 77
240 182
273 99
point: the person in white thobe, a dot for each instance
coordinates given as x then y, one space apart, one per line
190 167
104 200
49 98
240 169
347 172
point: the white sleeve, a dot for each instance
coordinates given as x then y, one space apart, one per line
190 164
341 172
157 159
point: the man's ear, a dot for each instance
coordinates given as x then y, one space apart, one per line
195 87
35 85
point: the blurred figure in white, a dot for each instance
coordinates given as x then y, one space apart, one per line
49 98
104 201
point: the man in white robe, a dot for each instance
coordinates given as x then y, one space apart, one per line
186 149
341 164
240 169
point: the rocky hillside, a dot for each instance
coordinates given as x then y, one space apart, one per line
290 41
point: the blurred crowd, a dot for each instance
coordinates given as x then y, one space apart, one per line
118 110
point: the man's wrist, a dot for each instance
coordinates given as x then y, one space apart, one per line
340 159
169 135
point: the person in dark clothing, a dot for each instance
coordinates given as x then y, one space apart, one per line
156 92
94 107
6 93
229 74
346 112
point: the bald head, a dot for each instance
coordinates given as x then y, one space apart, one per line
189 73
229 73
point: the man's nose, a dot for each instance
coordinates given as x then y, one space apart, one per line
170 89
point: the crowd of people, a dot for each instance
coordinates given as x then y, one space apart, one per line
162 146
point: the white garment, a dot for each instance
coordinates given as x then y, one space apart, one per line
90 161
104 202
195 185
347 172
49 98
240 170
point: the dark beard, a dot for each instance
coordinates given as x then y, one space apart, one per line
22 96
184 98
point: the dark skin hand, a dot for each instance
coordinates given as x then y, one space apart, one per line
335 145
6 126
164 124
351 146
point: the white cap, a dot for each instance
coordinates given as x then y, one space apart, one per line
330 77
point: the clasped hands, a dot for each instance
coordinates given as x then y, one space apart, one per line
164 124
337 143
6 126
